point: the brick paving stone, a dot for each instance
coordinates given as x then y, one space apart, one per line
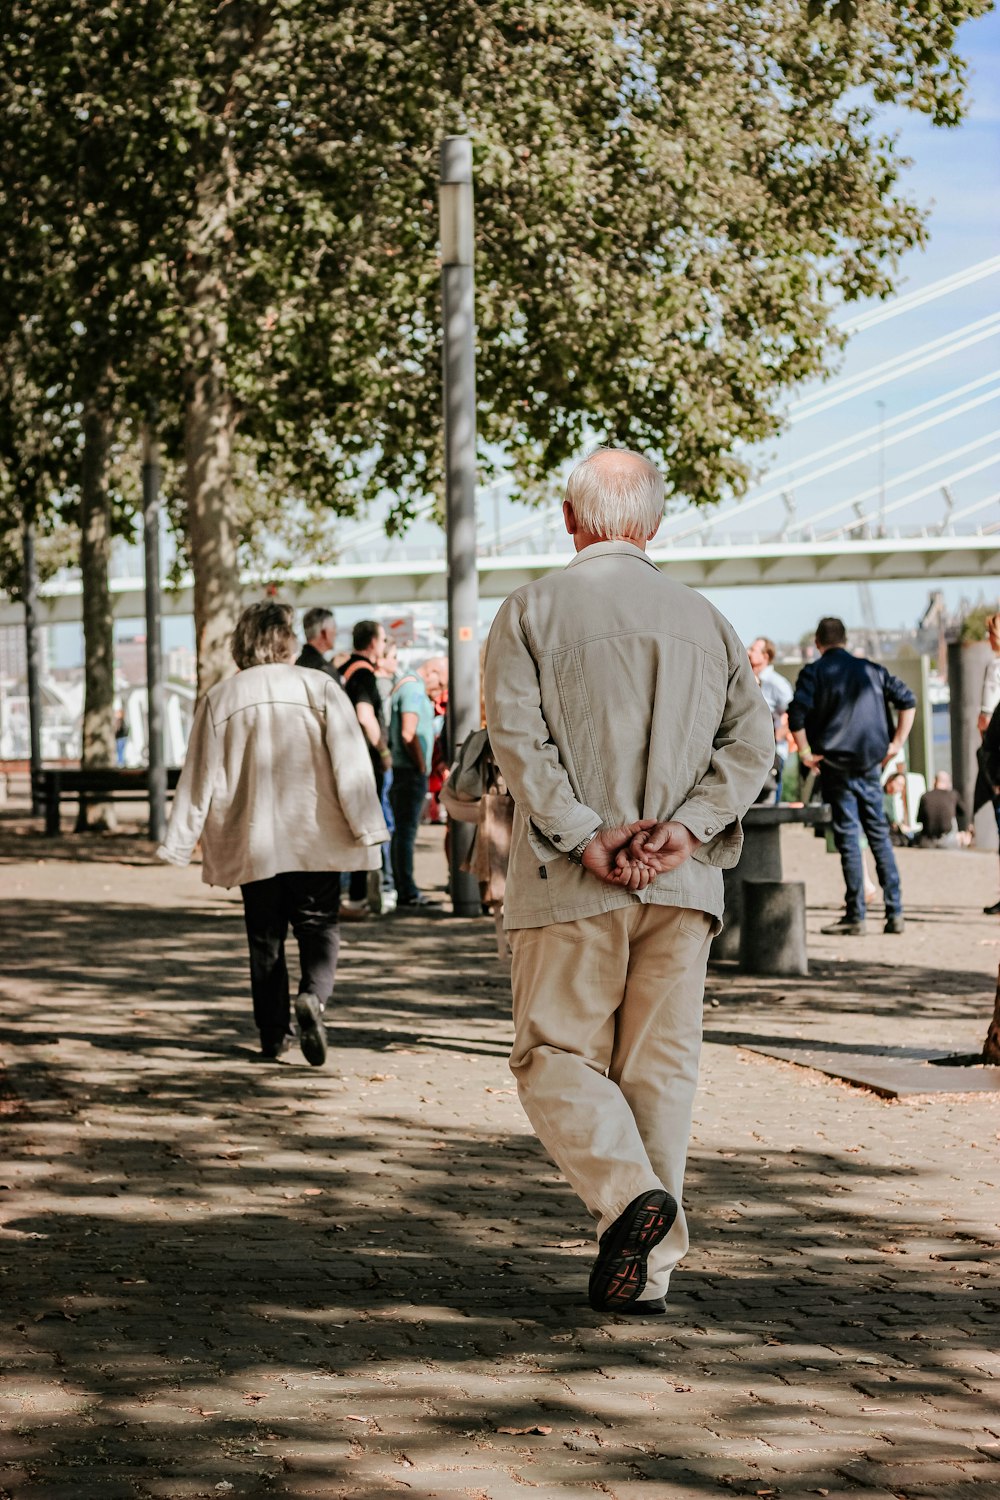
211 1267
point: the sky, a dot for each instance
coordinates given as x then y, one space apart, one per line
957 174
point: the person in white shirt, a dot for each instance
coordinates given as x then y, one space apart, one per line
778 693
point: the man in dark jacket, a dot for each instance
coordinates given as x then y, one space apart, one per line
320 631
841 721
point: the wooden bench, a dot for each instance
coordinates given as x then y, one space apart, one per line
104 784
760 860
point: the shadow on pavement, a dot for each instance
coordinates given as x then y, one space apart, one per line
243 1275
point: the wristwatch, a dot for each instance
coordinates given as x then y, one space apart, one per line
575 856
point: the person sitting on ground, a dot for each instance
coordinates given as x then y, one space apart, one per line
901 831
940 812
278 786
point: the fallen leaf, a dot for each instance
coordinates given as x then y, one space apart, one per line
358 1419
522 1431
312 1193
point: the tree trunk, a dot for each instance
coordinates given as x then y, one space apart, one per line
991 1046
98 620
208 446
209 429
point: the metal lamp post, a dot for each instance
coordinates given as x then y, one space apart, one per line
33 654
459 366
154 650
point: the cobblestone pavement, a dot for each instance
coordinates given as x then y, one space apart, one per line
225 1277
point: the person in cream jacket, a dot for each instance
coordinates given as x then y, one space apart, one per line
278 787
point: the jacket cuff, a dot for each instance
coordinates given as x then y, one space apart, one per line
558 839
721 843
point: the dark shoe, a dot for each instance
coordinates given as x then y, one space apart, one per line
619 1274
894 924
992 911
846 927
648 1307
418 900
272 1045
312 1032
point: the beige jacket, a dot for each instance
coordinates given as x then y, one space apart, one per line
613 693
277 777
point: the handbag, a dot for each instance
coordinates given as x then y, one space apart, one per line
469 777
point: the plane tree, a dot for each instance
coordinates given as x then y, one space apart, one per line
672 200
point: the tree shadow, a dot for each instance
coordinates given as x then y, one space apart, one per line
264 1277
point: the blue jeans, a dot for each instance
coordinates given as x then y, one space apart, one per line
388 883
407 797
855 800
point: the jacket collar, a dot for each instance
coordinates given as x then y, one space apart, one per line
610 549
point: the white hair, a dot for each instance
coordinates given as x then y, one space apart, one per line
616 494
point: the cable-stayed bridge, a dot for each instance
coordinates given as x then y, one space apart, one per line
911 495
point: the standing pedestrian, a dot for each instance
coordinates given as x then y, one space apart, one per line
412 728
841 720
278 786
368 892
777 692
625 719
988 780
985 790
320 630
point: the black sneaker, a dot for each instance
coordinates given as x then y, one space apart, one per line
846 927
312 1032
894 924
648 1307
272 1045
992 911
619 1275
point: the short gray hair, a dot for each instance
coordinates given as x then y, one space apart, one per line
314 620
616 494
264 635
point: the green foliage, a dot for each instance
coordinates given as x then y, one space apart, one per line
671 199
973 627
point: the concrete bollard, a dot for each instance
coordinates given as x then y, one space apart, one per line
773 927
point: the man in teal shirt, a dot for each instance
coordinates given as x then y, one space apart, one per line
411 740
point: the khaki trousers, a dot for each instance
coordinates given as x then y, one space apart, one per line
607 1036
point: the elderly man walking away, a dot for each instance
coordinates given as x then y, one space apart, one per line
277 783
841 721
412 730
320 631
625 718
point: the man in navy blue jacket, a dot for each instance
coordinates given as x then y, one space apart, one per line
842 723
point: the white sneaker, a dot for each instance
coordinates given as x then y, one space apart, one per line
388 901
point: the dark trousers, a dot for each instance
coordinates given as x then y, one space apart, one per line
855 800
408 796
310 902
